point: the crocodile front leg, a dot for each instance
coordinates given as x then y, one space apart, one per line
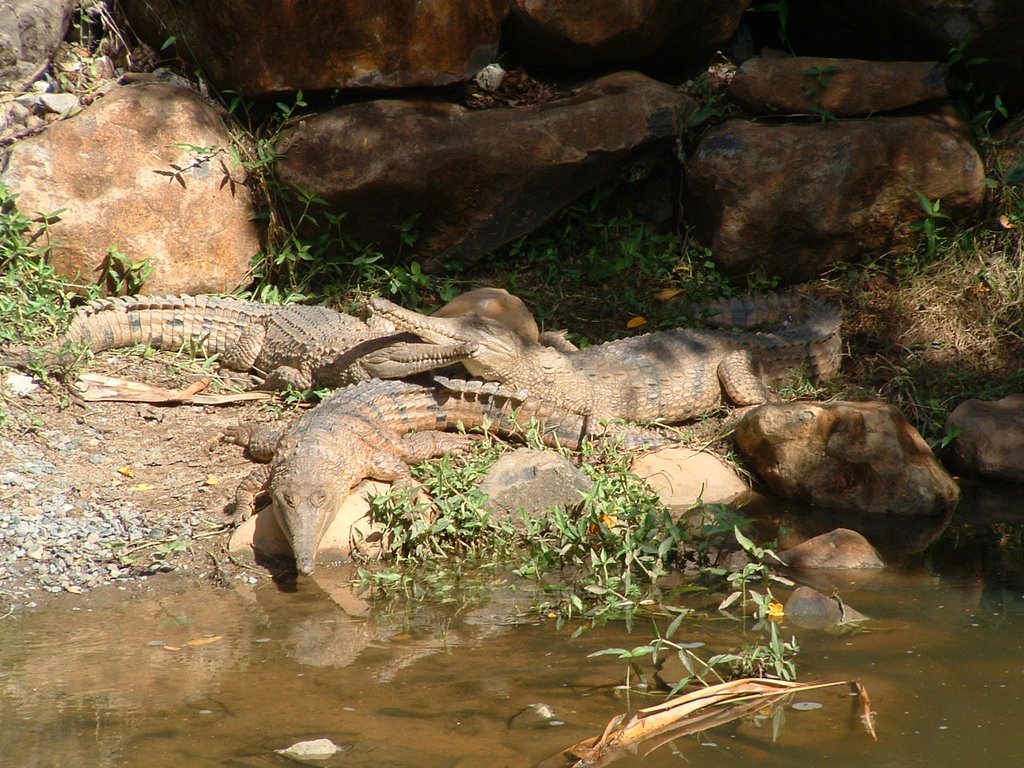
250 489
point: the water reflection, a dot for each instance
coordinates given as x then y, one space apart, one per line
179 674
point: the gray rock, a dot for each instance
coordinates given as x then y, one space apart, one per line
811 609
528 481
30 32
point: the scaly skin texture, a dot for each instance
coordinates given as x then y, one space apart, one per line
373 430
295 345
670 375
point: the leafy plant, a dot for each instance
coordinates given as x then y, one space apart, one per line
35 301
121 276
933 223
819 77
781 10
960 79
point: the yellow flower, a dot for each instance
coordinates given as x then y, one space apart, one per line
776 610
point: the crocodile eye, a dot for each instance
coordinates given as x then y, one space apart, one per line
317 498
289 499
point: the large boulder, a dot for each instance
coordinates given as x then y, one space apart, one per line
477 179
769 85
144 171
988 33
989 439
613 33
861 457
798 199
30 32
291 45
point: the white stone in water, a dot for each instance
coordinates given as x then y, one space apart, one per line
805 706
316 749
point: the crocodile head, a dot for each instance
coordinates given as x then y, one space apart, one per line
492 349
304 509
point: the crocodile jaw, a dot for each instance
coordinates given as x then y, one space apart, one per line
489 347
304 513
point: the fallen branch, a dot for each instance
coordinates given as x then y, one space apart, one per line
93 387
684 715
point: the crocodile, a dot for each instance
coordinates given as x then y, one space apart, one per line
294 345
671 376
372 430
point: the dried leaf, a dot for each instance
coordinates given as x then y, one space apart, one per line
866 715
636 322
197 641
667 293
141 487
683 715
126 471
1005 222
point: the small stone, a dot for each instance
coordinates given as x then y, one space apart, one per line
20 385
60 103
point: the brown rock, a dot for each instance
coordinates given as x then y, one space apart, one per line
110 169
841 548
682 476
990 32
477 178
837 87
1005 155
990 439
568 33
291 45
796 199
862 457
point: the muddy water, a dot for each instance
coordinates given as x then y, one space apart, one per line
177 674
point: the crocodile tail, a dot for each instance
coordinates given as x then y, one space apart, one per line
509 412
165 322
765 311
811 343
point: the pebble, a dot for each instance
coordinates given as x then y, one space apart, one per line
53 540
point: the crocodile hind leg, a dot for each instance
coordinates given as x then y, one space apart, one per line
420 446
259 440
284 376
241 355
740 382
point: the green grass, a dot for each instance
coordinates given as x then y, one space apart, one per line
35 302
